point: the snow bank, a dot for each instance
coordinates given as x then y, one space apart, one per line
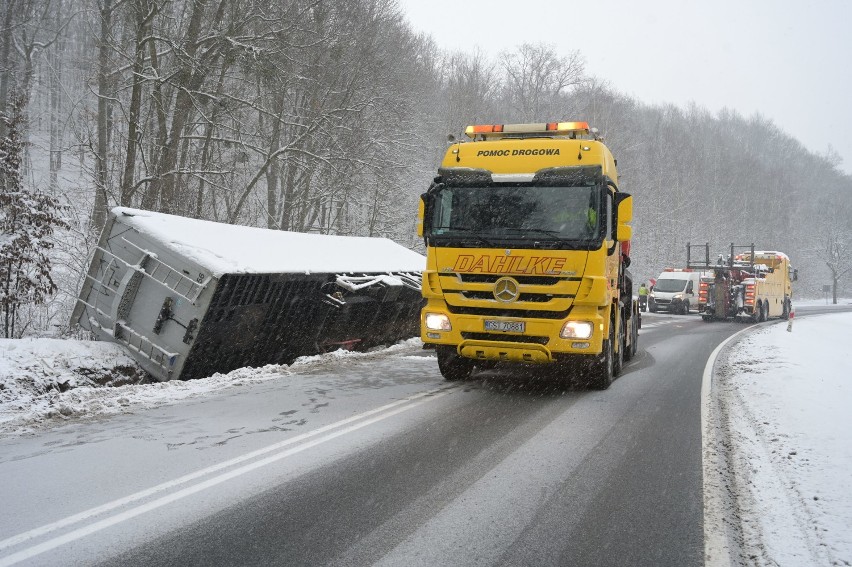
34 373
49 382
788 398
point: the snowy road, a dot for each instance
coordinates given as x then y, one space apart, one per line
377 460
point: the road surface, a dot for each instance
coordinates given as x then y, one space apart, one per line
377 460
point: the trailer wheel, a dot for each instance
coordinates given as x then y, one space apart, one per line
452 365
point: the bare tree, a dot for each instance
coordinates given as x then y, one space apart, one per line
536 77
7 66
833 238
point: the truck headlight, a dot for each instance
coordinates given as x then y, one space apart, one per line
678 296
576 330
437 322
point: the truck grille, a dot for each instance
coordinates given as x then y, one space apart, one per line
536 291
523 280
529 297
521 313
500 337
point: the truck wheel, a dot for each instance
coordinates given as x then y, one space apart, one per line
634 344
758 314
630 351
785 309
618 358
764 311
452 366
686 307
603 367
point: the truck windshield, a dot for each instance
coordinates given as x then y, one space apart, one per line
670 286
518 213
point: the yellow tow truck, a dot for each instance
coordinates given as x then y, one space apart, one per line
528 241
754 285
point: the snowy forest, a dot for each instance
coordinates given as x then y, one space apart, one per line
331 117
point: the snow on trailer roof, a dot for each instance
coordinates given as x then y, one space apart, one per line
228 249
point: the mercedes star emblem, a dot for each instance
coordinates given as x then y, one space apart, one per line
506 290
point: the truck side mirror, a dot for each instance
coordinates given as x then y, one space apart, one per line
421 213
689 288
795 275
624 204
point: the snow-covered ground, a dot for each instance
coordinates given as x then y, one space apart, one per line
49 382
783 400
41 378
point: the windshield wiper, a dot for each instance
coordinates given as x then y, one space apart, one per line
554 235
548 232
477 237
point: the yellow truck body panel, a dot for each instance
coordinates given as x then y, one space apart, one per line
773 286
507 290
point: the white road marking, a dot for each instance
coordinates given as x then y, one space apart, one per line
717 553
379 414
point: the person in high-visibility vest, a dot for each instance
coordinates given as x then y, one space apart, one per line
581 223
643 297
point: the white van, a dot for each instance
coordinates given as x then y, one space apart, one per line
676 291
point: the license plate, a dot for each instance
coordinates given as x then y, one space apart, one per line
511 326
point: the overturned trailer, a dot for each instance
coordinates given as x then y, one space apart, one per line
190 298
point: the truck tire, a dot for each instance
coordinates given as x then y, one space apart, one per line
686 307
785 309
630 351
634 343
603 366
618 358
453 366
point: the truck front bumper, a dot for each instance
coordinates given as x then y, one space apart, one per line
538 343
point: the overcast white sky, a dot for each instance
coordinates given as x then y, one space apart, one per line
790 60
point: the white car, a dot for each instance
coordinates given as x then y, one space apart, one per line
676 291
